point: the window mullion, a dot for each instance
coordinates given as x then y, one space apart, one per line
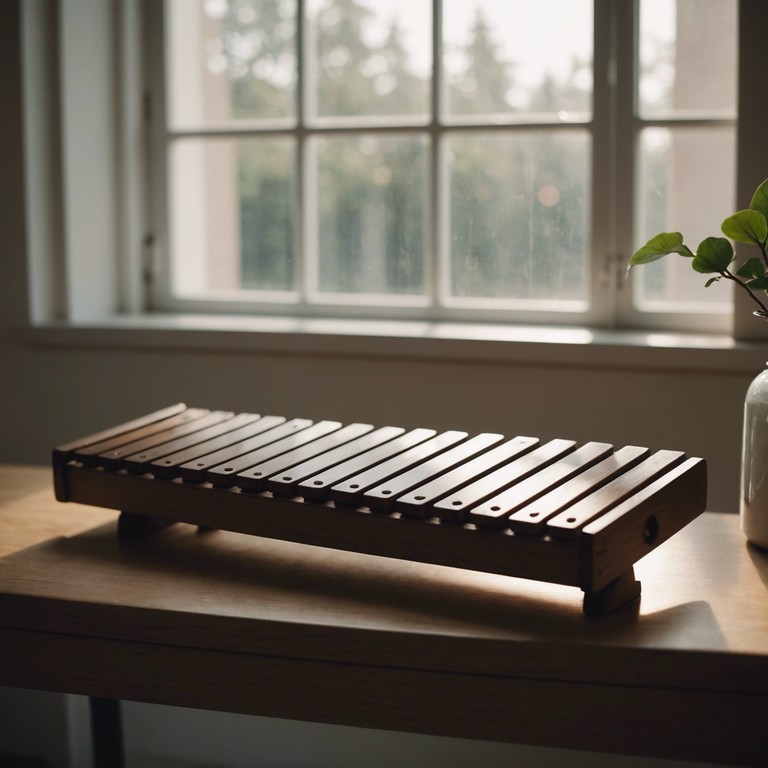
604 250
303 239
637 117
435 254
156 275
624 132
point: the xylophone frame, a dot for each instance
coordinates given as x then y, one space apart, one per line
599 560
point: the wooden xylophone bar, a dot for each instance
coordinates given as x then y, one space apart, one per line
579 515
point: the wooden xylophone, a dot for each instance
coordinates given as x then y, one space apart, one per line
555 511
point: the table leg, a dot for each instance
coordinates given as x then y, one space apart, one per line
106 733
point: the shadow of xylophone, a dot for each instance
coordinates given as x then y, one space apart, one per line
556 511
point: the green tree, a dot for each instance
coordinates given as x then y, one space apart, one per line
553 96
519 199
341 60
370 187
482 87
267 201
399 89
257 41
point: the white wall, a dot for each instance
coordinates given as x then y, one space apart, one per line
60 386
215 740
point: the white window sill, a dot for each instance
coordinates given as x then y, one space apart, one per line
477 342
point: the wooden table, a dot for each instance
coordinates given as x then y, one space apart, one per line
229 622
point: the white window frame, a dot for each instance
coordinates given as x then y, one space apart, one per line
629 126
428 307
79 275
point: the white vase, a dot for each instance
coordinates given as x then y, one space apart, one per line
754 463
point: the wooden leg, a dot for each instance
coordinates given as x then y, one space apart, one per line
106 733
619 592
131 526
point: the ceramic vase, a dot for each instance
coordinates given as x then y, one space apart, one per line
754 463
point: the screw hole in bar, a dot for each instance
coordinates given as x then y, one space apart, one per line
651 530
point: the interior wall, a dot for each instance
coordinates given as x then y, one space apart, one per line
216 740
52 394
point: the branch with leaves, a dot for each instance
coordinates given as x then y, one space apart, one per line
715 255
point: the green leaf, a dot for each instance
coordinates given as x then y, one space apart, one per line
760 199
712 280
752 268
746 226
714 254
758 284
658 246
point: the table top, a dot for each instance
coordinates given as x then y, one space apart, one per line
700 630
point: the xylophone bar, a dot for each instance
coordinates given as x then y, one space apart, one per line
580 515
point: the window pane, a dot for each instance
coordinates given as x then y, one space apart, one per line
688 57
517 60
369 58
370 225
519 206
231 60
232 215
686 184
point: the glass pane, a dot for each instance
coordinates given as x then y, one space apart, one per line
232 214
370 228
686 184
688 57
231 60
369 59
519 212
517 60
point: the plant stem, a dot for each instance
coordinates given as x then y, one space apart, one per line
736 280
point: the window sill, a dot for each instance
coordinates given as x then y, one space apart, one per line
465 342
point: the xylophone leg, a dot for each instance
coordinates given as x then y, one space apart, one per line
131 526
619 592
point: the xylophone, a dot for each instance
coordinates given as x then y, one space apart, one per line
554 511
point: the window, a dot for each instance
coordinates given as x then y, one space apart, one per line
685 141
478 159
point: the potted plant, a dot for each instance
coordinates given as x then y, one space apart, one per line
715 256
